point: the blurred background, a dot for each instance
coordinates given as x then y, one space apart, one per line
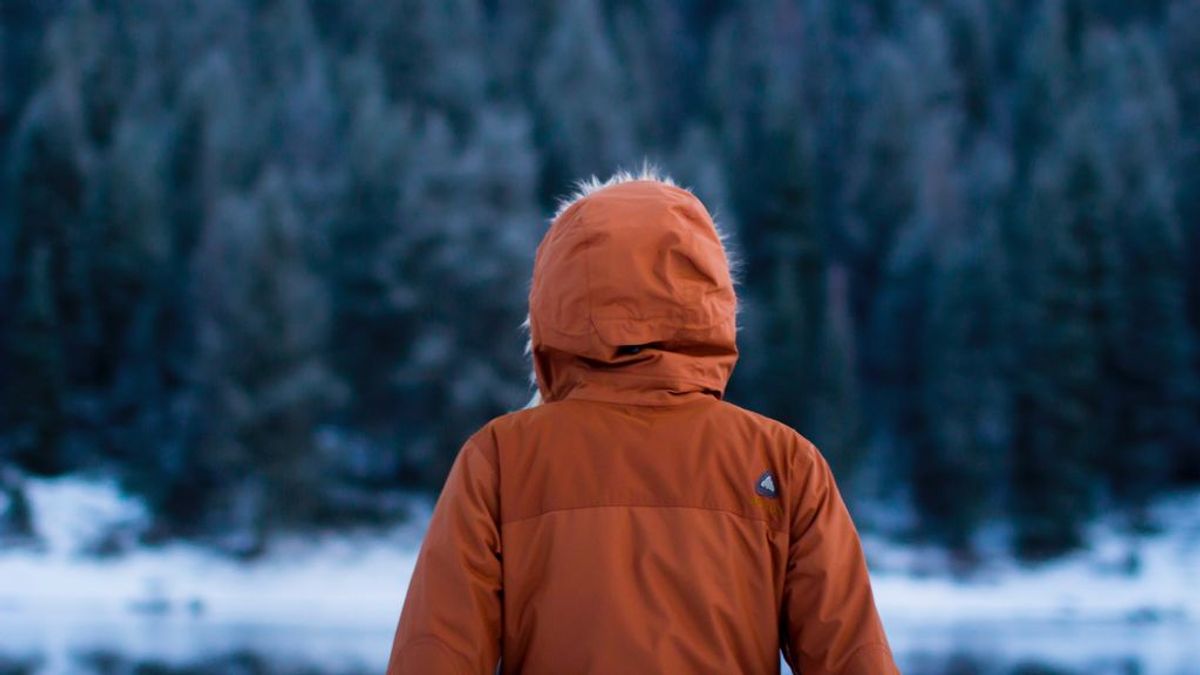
263 265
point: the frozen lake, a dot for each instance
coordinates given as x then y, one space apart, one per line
68 643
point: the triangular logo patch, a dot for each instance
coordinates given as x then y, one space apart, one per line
766 485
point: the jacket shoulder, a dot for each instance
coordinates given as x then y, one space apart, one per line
752 426
514 421
771 431
517 419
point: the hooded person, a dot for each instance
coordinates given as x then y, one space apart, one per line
631 520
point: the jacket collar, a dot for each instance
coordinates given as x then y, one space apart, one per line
656 376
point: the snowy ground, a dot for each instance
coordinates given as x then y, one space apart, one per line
1143 579
350 579
334 602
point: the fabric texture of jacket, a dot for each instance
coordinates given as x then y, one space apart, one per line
633 521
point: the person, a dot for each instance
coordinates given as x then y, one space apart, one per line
630 519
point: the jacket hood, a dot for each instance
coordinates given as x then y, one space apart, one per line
632 298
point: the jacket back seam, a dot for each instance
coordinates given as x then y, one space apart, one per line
712 509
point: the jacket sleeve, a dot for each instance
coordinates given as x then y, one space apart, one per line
830 625
450 623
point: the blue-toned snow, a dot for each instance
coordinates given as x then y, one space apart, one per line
1126 605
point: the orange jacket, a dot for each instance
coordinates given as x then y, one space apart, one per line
634 521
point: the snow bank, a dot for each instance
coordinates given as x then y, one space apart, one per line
345 580
360 580
1119 577
329 604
